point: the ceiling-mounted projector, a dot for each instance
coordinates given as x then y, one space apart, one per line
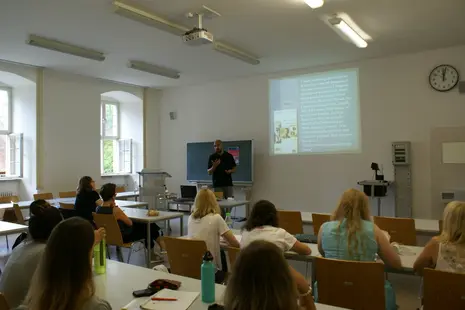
197 37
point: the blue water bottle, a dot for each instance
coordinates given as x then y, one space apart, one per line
207 276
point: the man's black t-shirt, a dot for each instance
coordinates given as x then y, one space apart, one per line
220 177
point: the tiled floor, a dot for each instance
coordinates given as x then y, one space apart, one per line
406 286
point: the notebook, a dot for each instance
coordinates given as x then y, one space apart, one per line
183 302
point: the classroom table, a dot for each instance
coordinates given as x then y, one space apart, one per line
422 226
120 280
56 202
127 195
7 228
140 215
227 204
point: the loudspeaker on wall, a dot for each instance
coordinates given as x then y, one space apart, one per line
172 116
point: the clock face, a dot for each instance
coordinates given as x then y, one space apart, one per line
444 78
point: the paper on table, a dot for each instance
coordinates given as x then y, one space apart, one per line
183 302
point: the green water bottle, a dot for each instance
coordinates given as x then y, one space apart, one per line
207 278
100 261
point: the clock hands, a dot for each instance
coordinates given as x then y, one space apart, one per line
444 74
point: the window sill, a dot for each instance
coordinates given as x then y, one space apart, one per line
10 179
109 175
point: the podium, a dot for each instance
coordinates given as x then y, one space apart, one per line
152 188
376 189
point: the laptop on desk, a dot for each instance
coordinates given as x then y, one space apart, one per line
188 193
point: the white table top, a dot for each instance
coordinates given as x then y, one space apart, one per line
7 228
408 254
129 194
120 280
421 225
56 201
140 215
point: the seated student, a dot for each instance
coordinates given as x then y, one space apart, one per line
205 223
87 198
129 230
447 251
63 279
262 279
20 267
351 235
262 224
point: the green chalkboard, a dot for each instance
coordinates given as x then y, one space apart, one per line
197 160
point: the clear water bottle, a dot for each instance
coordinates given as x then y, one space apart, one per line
228 220
207 278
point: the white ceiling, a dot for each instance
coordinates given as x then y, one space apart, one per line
286 34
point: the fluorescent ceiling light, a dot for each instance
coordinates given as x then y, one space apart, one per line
154 69
350 33
65 48
314 4
234 52
148 18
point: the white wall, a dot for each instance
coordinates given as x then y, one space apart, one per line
396 104
71 128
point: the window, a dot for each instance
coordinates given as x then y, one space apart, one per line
11 145
116 152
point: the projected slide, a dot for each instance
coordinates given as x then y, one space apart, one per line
317 113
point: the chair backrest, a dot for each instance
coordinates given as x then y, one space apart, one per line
219 195
440 226
233 253
120 189
319 219
3 303
401 230
70 194
291 221
185 256
18 214
67 206
8 199
45 196
113 232
443 290
350 284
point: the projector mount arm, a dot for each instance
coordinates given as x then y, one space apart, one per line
205 12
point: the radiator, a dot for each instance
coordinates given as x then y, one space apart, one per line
7 194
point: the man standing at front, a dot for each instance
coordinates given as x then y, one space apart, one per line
221 165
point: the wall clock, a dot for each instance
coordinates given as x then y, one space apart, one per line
443 78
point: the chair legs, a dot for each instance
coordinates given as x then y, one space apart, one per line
119 254
7 245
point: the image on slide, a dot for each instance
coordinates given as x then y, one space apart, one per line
234 151
285 132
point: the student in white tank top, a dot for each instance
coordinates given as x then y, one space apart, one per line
447 251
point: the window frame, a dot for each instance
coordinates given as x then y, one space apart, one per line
116 139
9 90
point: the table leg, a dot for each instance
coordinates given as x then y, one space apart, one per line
379 206
181 221
149 248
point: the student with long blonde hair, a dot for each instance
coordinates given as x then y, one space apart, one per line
351 235
262 279
447 251
205 223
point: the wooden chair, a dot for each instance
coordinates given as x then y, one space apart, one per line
67 210
70 194
291 221
319 219
120 189
350 284
443 290
233 253
185 256
8 199
401 230
219 195
44 196
3 303
114 237
440 226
